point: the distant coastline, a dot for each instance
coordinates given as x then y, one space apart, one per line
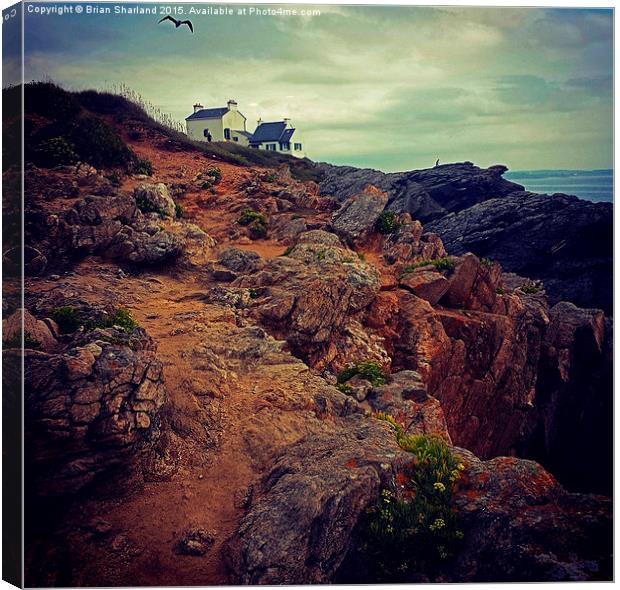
592 185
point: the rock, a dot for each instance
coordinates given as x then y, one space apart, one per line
88 408
405 397
299 530
424 194
564 241
240 261
36 332
195 541
522 526
356 218
408 244
427 285
154 197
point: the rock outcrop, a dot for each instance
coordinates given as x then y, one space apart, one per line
357 216
88 407
561 240
564 241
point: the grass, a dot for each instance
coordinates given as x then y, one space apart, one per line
387 222
440 264
414 527
69 320
248 216
368 370
530 287
178 210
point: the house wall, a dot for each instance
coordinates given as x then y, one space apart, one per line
297 138
232 120
196 127
241 139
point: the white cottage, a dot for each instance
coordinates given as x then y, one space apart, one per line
218 124
228 124
278 136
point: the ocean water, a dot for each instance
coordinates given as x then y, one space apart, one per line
592 185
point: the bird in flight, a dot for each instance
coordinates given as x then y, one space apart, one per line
178 23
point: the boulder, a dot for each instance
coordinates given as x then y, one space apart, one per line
428 285
155 198
356 218
87 408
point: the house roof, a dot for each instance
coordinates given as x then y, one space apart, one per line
244 133
215 113
275 131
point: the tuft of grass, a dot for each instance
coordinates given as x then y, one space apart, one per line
487 262
440 264
254 294
215 173
368 370
141 166
530 287
288 251
69 320
248 216
387 222
178 210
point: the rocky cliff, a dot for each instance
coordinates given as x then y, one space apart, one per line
229 375
562 240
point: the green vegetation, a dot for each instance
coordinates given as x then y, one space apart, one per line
361 256
146 206
248 216
215 173
69 320
368 370
178 210
440 264
269 177
142 167
254 294
487 262
287 251
414 528
499 291
530 287
56 151
387 223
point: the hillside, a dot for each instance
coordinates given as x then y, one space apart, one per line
233 376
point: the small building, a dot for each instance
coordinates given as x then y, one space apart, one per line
218 124
278 136
229 124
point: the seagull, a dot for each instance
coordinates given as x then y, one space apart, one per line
178 23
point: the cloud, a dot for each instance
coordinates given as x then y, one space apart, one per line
388 87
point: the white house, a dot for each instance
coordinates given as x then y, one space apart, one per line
228 124
278 136
218 124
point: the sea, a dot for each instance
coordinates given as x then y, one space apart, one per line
591 185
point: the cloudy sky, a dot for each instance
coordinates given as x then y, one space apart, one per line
392 88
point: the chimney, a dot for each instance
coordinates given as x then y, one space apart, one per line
198 107
287 121
232 105
259 122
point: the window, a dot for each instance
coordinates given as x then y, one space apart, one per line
235 138
271 147
227 133
285 146
297 147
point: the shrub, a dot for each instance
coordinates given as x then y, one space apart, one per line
56 151
361 256
178 211
248 216
140 166
530 287
487 262
368 370
414 528
288 251
114 178
215 174
254 294
98 144
269 177
499 291
146 206
440 264
387 223
67 318
207 184
257 230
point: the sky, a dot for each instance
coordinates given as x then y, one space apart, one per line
392 88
